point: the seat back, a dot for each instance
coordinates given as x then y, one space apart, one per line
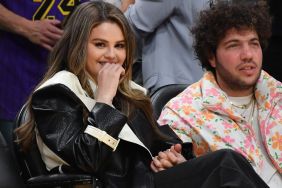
31 162
161 96
34 170
10 177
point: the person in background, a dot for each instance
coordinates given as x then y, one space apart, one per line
117 3
87 115
236 105
163 30
28 31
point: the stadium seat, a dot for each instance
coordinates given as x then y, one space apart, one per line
160 97
10 174
34 172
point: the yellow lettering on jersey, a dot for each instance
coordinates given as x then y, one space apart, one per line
71 3
43 10
66 6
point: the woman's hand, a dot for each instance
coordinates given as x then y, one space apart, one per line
108 80
167 159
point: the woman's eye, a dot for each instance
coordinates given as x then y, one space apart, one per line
99 44
120 46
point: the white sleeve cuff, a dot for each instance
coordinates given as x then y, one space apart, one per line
102 136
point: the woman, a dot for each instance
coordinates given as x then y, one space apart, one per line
86 91
86 114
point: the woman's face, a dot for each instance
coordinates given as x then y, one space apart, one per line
106 44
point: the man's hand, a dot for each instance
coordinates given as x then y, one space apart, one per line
167 159
44 32
125 4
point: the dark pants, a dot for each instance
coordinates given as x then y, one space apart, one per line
223 168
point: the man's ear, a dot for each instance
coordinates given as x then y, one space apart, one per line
212 61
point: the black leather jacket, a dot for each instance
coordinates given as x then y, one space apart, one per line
58 115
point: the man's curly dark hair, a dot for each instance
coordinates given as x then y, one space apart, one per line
213 24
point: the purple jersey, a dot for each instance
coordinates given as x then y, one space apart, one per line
22 63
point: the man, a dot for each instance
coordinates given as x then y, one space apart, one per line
163 31
236 105
28 31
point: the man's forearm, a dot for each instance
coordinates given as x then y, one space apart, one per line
12 22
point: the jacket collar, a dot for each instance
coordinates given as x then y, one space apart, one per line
71 81
268 94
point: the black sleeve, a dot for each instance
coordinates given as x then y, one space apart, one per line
59 119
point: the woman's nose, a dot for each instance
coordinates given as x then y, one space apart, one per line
110 53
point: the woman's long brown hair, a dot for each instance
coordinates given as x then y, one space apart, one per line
70 53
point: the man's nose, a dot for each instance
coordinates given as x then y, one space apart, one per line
246 53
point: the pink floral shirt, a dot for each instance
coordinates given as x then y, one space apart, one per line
203 115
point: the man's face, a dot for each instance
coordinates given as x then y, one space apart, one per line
238 62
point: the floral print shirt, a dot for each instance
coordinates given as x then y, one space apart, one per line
202 114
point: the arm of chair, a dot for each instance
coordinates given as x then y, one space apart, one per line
54 180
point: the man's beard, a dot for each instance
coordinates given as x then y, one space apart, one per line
232 81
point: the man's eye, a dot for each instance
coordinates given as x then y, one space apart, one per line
232 45
255 44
